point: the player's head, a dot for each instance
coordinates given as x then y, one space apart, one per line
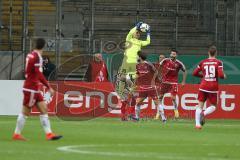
40 43
212 51
137 34
142 56
161 57
173 54
98 57
46 60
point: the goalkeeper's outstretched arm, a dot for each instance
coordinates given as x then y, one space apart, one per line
148 40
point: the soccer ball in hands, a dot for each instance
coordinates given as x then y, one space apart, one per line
144 27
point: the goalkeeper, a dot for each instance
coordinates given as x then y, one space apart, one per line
133 46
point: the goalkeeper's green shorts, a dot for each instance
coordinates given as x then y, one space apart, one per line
128 68
125 69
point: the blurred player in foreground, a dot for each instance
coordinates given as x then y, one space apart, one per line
32 95
209 70
169 69
145 84
133 45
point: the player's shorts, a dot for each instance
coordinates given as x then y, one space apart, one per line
147 92
212 97
125 69
168 88
31 98
128 68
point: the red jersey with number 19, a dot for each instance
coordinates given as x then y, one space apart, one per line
211 69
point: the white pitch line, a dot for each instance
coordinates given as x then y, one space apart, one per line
84 149
185 123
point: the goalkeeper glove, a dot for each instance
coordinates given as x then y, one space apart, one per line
138 25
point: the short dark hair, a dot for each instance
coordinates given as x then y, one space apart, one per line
40 43
174 50
46 57
142 55
212 50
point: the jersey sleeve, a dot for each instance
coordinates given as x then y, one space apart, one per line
29 64
182 66
137 69
197 71
153 68
130 34
38 70
163 62
220 70
146 42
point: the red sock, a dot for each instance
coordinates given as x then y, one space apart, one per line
133 101
131 110
123 109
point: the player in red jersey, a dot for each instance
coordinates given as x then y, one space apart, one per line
32 95
158 82
209 70
170 68
145 84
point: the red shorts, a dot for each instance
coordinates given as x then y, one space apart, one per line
31 98
168 88
212 97
147 92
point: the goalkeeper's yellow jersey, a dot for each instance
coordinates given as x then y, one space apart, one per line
134 45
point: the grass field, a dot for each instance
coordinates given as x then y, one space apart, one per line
111 139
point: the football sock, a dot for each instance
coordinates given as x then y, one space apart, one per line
131 110
123 108
209 110
161 111
20 123
45 123
137 111
197 116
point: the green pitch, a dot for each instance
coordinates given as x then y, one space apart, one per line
111 139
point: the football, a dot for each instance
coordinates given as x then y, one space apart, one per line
144 27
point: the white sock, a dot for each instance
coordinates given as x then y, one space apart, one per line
45 123
209 110
137 111
161 111
197 116
20 123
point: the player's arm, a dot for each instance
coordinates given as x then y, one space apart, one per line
42 79
130 34
221 72
155 71
184 77
184 70
41 76
38 71
148 40
160 68
197 72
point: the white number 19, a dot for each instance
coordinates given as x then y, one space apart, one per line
210 71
